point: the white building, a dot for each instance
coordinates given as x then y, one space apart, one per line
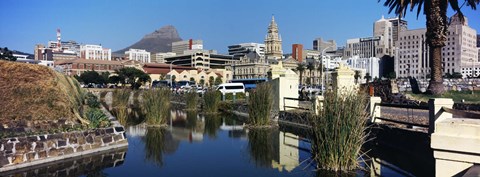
160 57
459 55
138 55
181 46
246 48
365 65
95 52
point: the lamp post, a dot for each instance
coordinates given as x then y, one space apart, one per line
473 74
171 80
323 67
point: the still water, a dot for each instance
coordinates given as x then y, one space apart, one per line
210 146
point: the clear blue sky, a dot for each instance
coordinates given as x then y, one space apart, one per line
119 23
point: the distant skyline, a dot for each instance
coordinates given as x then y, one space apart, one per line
117 24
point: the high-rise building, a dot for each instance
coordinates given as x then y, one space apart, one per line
38 52
95 52
458 55
138 55
180 46
383 28
321 45
246 48
297 52
362 47
273 42
396 27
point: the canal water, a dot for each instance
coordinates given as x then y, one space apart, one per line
210 146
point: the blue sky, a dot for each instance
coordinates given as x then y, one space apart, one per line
119 23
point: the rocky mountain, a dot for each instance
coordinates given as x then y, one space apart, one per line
158 41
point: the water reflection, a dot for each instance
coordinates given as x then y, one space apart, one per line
92 165
157 142
212 124
260 146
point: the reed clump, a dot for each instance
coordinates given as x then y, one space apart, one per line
260 105
156 106
211 100
192 100
339 131
120 104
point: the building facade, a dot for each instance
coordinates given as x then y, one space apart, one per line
297 52
365 65
160 57
251 65
328 46
239 50
273 42
180 46
95 52
203 60
138 55
460 55
79 66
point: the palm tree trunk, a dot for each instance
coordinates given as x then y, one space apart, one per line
436 13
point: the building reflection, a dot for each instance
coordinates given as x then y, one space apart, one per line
273 148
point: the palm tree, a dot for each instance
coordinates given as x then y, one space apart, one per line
320 70
310 68
436 15
300 68
367 77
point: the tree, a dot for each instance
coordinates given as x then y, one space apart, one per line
310 68
6 54
437 25
211 79
392 75
104 77
457 75
218 81
90 77
132 76
320 70
367 77
300 68
202 82
356 76
114 79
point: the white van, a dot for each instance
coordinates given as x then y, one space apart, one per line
231 88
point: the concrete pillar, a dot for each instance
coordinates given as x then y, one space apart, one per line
434 106
375 111
317 104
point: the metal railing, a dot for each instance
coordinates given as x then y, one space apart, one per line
403 107
293 107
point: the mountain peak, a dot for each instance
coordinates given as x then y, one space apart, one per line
158 41
166 32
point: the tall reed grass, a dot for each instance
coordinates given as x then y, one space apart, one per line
260 105
155 145
192 100
156 106
120 104
339 131
211 100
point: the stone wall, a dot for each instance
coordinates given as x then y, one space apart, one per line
90 165
25 151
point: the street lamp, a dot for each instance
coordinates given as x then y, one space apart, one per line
323 67
171 80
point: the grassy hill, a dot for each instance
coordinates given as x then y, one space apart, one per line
35 95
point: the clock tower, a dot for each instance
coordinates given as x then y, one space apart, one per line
273 42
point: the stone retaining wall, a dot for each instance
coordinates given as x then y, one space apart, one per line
90 165
25 151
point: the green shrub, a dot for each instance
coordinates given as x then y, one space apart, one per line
339 131
156 106
120 104
238 96
260 105
211 100
97 118
92 100
192 100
